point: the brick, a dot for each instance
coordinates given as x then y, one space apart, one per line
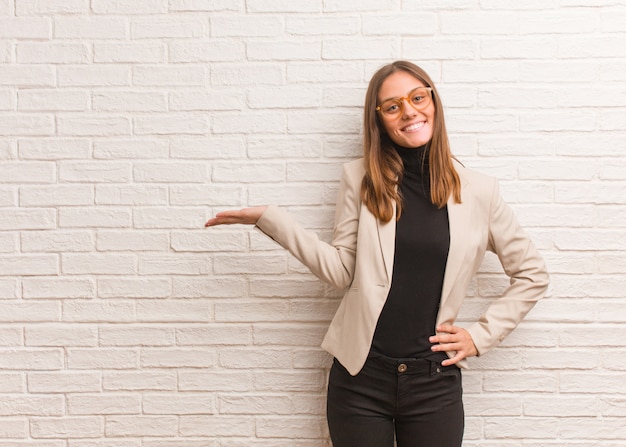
103 404
291 427
207 100
171 124
211 380
30 311
221 287
123 240
139 381
250 74
178 358
56 195
102 358
43 382
21 124
129 53
67 427
169 27
53 100
90 27
53 148
24 219
364 48
94 75
203 5
86 125
222 195
287 335
215 334
10 336
321 25
558 22
133 288
29 265
168 218
174 311
261 359
213 51
29 405
86 311
25 28
180 403
83 217
31 359
249 172
363 6
256 404
299 381
136 336
256 122
130 101
95 172
57 53
131 195
95 263
163 264
43 7
222 426
127 426
123 8
112 148
42 288
205 241
330 71
185 75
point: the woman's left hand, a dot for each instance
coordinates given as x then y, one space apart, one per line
453 338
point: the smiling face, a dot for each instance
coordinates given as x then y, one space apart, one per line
412 127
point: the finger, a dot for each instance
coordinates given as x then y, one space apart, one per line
448 328
452 361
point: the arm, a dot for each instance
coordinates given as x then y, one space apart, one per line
525 268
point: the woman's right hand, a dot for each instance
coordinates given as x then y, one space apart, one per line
248 216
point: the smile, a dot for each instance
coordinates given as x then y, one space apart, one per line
414 127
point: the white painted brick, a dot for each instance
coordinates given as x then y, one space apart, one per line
8 288
220 334
95 171
291 427
363 6
25 28
24 219
219 195
249 74
112 148
47 7
32 359
8 242
128 426
251 311
212 380
165 264
527 428
221 287
90 27
21 404
320 25
83 217
206 241
8 196
250 172
136 336
96 263
29 265
404 23
289 335
131 195
129 52
207 100
88 125
248 26
53 100
479 23
161 75
220 426
181 403
324 123
297 96
559 22
351 48
53 148
93 75
171 124
14 428
79 358
174 311
169 27
27 124
55 195
67 427
41 288
422 48
214 51
112 240
87 311
139 381
178 358
133 288
203 5
122 7
8 99
10 336
63 53
130 101
102 404
155 217
43 382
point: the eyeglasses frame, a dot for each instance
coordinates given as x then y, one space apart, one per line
406 98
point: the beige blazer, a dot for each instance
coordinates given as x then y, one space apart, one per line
360 260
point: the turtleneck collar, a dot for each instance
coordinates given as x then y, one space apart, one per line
415 159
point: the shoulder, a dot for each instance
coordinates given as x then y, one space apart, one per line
353 171
475 180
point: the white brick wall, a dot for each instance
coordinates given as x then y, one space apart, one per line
125 124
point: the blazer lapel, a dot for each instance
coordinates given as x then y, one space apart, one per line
387 240
459 218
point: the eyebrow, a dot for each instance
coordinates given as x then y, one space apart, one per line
398 97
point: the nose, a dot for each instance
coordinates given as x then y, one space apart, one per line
408 110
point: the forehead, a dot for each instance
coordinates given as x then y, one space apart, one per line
398 84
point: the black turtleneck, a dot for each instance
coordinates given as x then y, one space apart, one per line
421 251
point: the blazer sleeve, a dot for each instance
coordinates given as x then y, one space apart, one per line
523 265
333 263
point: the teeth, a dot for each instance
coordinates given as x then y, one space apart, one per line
413 127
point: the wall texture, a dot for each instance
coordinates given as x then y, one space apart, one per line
125 124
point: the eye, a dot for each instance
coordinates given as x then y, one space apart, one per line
417 98
391 107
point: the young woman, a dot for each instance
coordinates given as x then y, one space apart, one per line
411 229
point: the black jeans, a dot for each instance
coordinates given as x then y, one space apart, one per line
419 401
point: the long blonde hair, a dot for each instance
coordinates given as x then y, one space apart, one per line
383 166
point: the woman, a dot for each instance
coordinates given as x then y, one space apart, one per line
411 228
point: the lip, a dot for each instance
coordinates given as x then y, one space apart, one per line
414 127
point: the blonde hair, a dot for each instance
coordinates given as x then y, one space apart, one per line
384 167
